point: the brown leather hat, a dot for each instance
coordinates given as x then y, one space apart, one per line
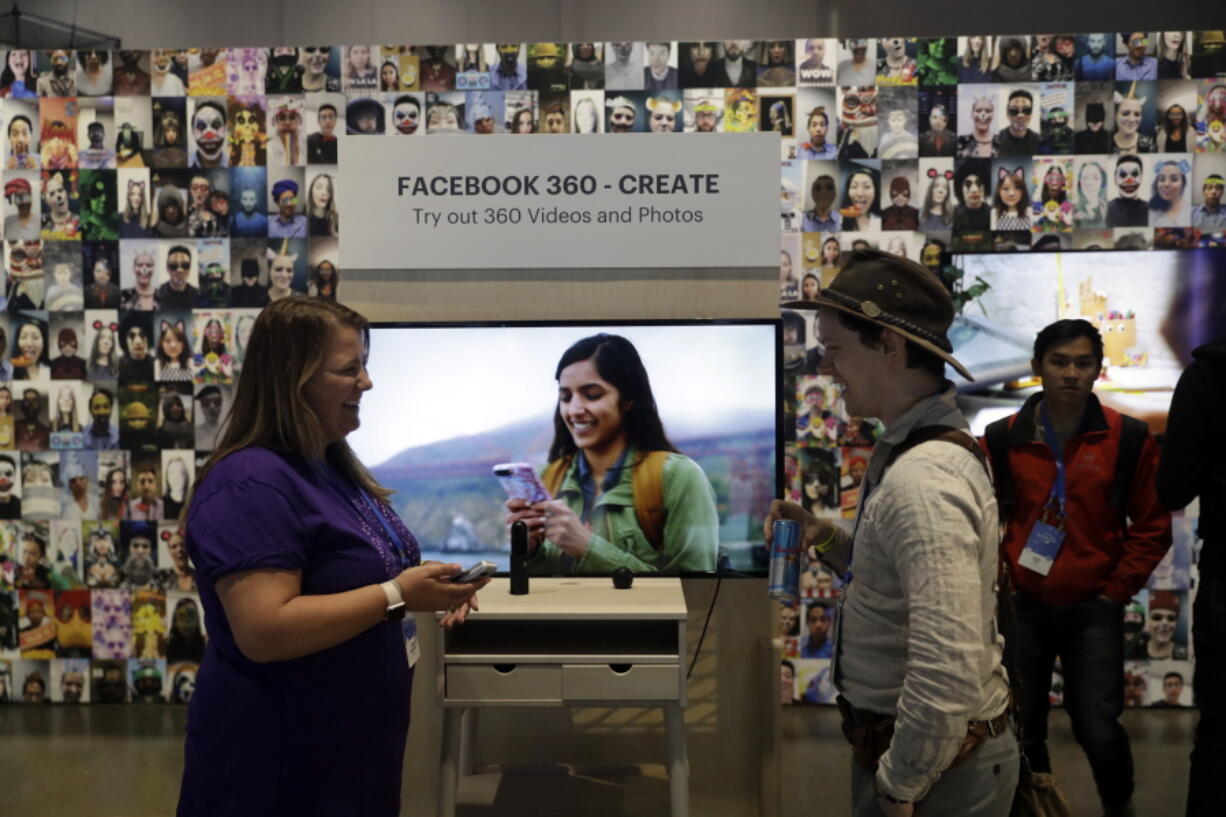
894 292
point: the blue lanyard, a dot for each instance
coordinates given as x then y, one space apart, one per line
398 546
1059 491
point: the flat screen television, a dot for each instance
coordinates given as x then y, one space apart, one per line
451 401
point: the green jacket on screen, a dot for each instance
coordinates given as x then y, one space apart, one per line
691 528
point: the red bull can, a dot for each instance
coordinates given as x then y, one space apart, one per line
784 576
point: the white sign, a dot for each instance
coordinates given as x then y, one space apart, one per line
545 200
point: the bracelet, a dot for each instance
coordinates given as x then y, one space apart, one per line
824 546
392 590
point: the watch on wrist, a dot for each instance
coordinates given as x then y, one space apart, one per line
396 607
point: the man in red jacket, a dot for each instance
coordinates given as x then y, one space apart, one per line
1078 548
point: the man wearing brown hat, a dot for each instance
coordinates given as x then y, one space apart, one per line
1084 530
917 659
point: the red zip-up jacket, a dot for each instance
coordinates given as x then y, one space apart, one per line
1100 555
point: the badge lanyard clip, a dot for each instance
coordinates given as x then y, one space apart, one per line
1045 538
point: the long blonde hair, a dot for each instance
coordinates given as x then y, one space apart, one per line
287 347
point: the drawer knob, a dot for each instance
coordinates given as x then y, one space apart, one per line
504 668
620 669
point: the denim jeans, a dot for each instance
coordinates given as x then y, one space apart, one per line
1089 639
1209 683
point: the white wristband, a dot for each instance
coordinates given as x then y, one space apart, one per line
392 590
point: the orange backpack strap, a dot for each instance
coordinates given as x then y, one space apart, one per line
554 473
648 486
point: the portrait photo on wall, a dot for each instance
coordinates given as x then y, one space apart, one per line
472 69
896 63
815 61
777 113
791 195
437 64
896 123
937 115
556 112
1176 116
58 134
694 64
207 72
445 112
508 66
399 69
857 64
857 122
660 67
485 112
937 61
741 110
585 66
704 111
520 112
776 64
1057 101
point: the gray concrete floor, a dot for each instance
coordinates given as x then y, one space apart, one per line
125 761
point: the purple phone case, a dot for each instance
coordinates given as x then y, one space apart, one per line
522 482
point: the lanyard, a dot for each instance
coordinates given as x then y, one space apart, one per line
399 548
1059 491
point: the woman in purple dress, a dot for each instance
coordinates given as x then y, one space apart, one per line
305 574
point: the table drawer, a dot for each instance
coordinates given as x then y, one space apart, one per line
504 682
618 682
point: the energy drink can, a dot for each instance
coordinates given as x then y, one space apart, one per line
784 576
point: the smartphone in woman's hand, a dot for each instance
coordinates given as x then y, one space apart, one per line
520 481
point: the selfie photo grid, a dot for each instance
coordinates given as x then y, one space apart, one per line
154 201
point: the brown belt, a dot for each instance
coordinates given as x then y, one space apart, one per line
870 733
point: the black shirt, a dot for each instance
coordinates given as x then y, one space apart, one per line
1088 141
321 150
1123 212
248 296
170 299
1009 145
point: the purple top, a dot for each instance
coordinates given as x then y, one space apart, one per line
321 734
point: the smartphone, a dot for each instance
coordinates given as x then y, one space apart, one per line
520 481
478 571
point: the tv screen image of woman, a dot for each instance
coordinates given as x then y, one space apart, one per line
709 387
624 496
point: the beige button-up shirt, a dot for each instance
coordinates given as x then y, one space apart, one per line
917 637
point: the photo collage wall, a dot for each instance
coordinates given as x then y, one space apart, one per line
154 201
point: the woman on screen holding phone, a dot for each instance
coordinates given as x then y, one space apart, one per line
305 573
623 495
